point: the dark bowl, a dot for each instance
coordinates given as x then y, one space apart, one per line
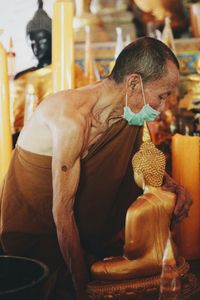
21 278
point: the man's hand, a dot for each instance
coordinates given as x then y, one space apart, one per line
183 199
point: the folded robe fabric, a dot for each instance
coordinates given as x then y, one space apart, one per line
105 191
107 186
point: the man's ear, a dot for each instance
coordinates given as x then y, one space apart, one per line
133 82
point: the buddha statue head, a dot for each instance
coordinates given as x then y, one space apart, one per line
149 165
38 31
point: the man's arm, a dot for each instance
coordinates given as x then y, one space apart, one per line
67 148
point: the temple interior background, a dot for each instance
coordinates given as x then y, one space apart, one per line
100 30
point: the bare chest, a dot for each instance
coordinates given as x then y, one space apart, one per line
36 138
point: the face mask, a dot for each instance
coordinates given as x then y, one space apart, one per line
147 113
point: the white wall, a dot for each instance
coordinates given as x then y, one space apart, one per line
14 16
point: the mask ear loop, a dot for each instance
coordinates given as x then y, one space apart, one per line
142 87
126 99
126 103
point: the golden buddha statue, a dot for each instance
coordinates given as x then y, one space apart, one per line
34 84
150 267
147 225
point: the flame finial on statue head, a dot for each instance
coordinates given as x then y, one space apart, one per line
40 4
146 136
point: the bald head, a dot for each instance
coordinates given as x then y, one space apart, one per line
147 57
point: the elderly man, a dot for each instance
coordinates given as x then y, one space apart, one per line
70 180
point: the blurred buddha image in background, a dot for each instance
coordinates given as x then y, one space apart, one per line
32 85
153 12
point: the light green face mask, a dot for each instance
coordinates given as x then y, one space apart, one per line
147 113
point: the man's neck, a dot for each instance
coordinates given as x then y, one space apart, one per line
152 189
110 102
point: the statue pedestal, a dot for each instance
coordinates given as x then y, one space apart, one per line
146 288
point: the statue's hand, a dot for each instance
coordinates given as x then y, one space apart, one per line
183 199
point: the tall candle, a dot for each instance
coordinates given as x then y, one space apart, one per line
63 45
79 7
91 71
5 128
186 171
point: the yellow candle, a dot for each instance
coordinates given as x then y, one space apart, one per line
5 129
186 171
91 71
63 45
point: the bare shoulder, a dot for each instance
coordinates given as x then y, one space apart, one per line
62 107
55 104
67 125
